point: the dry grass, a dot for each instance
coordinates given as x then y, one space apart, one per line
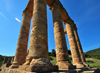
96 62
0 72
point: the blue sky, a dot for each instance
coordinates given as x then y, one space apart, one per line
85 13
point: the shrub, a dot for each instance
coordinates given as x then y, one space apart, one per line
70 58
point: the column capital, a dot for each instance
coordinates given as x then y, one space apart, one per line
74 27
70 21
56 2
27 13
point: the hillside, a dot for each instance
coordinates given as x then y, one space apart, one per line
94 52
1 60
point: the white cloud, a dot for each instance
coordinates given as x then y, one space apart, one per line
17 19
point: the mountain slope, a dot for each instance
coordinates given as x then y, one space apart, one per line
94 52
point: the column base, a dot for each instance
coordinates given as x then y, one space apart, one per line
65 65
79 65
38 65
14 65
38 68
40 61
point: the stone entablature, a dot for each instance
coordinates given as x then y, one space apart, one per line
50 3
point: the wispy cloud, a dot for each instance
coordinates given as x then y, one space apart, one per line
17 19
4 16
93 46
88 14
9 5
87 11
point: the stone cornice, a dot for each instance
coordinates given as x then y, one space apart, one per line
50 3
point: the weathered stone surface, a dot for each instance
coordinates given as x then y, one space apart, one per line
38 45
40 61
62 57
5 70
5 60
12 60
79 46
38 68
4 66
9 62
79 70
65 65
14 65
38 41
61 47
37 59
73 44
21 50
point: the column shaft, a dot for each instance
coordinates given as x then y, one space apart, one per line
21 50
61 47
79 46
38 40
73 44
60 42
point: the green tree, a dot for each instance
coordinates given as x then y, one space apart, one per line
53 53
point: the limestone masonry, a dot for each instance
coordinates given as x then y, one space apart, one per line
37 58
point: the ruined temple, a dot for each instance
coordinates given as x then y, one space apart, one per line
36 59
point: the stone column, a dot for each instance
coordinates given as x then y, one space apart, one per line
60 42
21 50
38 40
79 45
5 60
73 44
37 59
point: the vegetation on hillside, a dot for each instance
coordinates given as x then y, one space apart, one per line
1 60
93 53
